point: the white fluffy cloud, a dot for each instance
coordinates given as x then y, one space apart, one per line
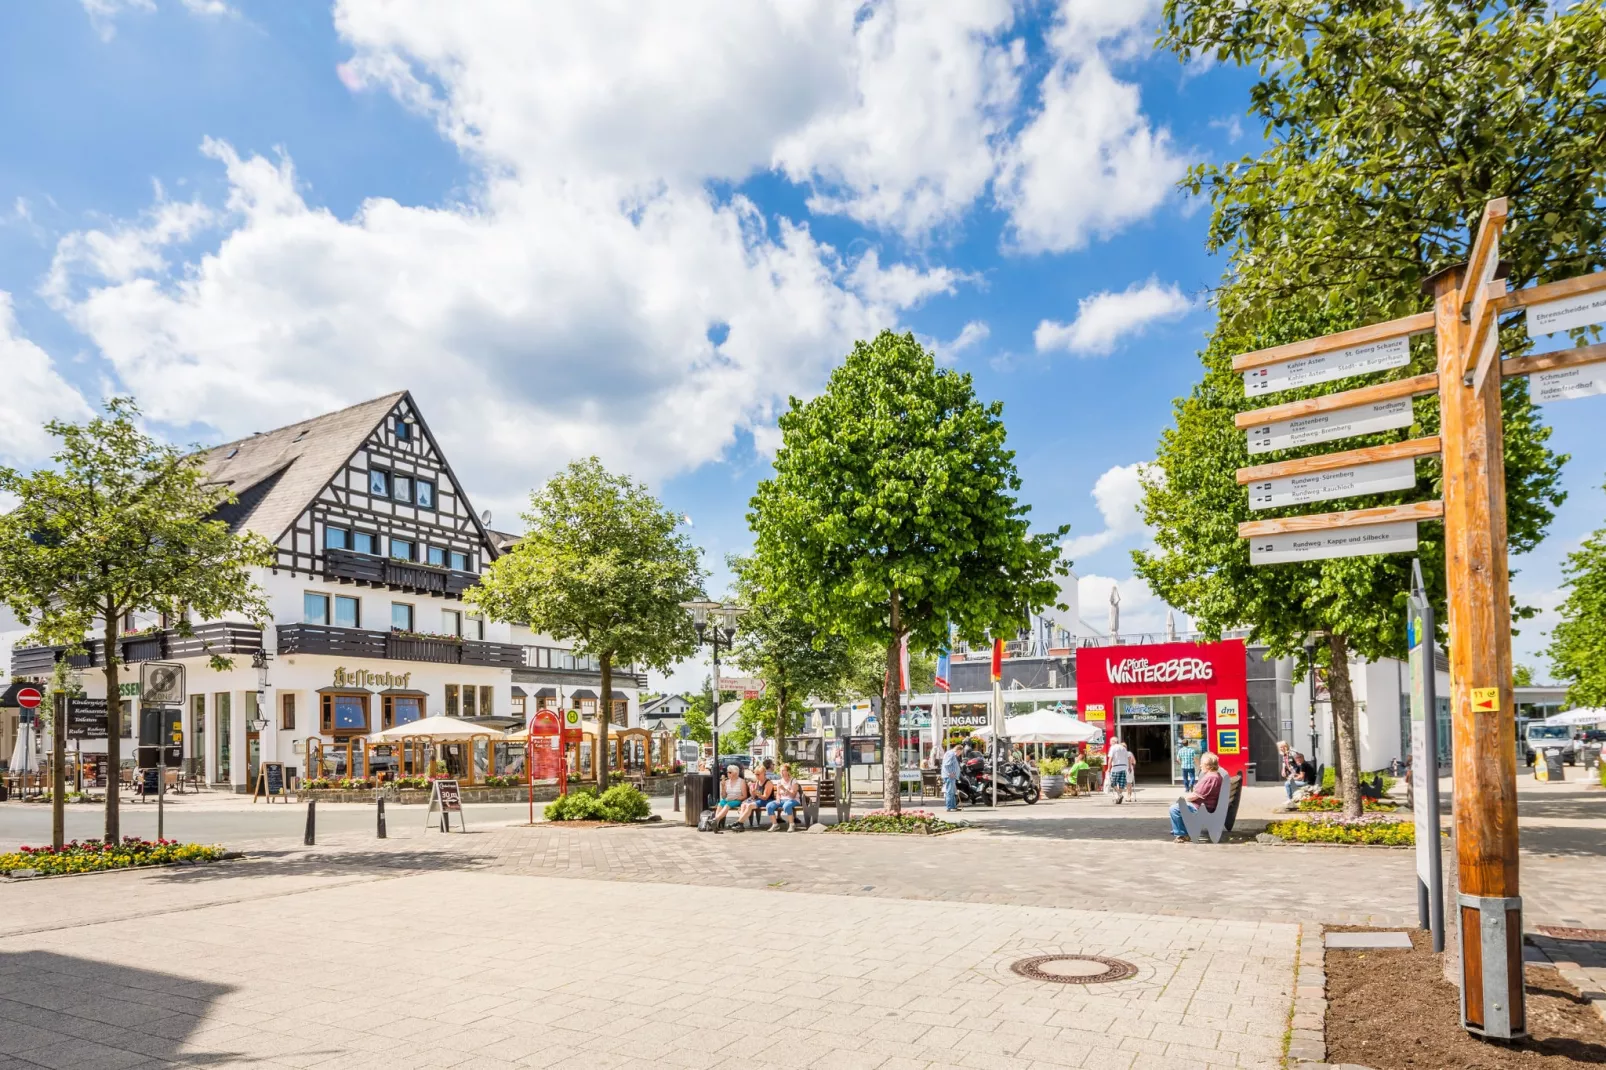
1142 611
103 13
33 393
1118 494
1089 162
1106 317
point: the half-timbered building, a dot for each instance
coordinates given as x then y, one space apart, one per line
375 540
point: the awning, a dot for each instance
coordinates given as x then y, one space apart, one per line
546 692
10 697
1589 715
583 692
619 694
405 691
518 692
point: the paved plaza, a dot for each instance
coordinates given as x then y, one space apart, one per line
660 946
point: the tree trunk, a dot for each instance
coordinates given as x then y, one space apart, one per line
114 729
780 717
1346 747
604 708
891 697
58 769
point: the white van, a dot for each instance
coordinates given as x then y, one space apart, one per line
1540 736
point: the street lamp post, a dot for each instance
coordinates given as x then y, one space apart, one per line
715 623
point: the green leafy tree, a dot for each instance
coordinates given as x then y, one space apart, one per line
867 671
893 511
602 566
1522 676
795 657
763 715
1389 126
1577 642
699 725
121 524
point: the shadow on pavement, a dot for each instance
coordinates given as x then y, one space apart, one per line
309 862
60 1010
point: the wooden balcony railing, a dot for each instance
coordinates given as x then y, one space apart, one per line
351 567
363 643
220 637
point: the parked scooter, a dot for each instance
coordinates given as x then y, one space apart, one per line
1014 781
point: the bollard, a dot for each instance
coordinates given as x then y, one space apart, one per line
677 797
381 817
312 823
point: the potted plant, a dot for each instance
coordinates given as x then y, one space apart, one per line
1053 777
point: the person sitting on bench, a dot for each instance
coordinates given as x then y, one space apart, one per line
1372 789
732 794
759 793
1206 793
788 797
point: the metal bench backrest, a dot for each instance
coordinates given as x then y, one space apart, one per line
1235 784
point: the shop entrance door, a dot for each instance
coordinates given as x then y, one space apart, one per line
253 758
1151 746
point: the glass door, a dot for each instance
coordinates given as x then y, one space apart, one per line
222 726
253 757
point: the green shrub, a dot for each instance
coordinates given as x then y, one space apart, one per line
1330 782
916 822
1389 833
624 802
1332 804
1052 766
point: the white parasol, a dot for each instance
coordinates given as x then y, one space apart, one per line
447 728
1588 715
1044 726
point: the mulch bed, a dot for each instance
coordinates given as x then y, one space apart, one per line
1393 1010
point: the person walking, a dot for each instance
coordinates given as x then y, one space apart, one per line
1188 758
950 778
1116 775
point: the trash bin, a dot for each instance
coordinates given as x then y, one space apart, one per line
696 796
1549 766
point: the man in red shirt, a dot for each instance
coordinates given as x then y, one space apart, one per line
1206 793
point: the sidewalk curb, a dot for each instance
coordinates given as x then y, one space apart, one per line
1307 1047
1553 952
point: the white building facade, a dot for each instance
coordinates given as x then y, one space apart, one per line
375 542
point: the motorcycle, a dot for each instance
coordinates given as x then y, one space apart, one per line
1015 781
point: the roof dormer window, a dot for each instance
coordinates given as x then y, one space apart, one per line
404 430
230 455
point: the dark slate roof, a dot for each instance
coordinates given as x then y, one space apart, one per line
276 474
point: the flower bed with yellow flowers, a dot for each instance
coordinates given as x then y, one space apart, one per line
89 856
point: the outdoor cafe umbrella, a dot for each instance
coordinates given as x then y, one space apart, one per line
447 729
1044 726
1588 715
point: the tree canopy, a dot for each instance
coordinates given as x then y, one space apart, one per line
893 511
602 566
121 524
1578 642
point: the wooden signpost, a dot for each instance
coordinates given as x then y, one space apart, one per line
1467 300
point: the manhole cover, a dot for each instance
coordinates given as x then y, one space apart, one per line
1074 969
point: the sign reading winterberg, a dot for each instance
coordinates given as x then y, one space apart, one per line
1563 314
1563 384
1325 367
1327 426
1348 482
363 678
1142 671
1393 538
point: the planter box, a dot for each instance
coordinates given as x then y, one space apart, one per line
1053 786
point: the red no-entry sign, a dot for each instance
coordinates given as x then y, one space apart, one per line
29 697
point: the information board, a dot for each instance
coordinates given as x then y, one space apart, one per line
1327 426
1564 314
803 750
1325 367
1394 538
1564 384
1423 764
864 750
1350 482
86 718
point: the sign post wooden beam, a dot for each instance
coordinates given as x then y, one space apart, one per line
1489 909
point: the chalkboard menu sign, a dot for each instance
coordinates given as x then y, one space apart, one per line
86 718
451 798
270 783
445 798
150 783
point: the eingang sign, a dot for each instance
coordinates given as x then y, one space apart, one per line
1142 671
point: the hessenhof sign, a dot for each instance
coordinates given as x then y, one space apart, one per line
1140 671
363 678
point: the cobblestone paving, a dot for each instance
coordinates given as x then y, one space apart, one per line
494 970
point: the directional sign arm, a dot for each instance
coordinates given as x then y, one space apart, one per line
1350 518
1399 388
1324 462
1551 291
1421 323
1479 355
1546 362
1485 250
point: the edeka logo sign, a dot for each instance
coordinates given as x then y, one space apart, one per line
364 678
1142 671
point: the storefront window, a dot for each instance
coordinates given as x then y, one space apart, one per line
344 713
1189 707
451 700
1151 708
485 703
222 721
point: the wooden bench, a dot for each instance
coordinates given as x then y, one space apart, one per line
1214 823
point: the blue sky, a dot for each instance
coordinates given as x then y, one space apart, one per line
625 228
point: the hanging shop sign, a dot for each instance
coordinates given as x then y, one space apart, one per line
362 678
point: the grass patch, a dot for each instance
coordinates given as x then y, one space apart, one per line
89 856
